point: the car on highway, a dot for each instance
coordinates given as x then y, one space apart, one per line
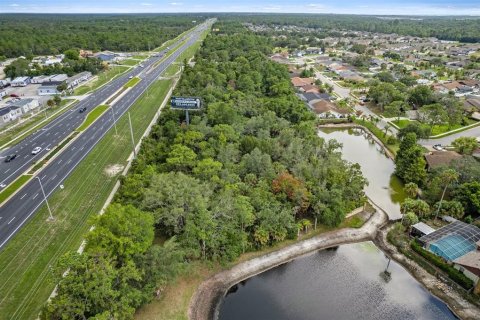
141 65
131 77
10 157
81 110
36 150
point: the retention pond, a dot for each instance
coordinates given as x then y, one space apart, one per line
347 282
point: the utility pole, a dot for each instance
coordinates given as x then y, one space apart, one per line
187 117
50 218
131 135
114 122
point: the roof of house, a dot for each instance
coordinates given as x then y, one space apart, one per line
423 228
79 76
310 96
452 85
21 103
20 79
471 259
300 82
472 102
323 106
310 88
5 110
438 158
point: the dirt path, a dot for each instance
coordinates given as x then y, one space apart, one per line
205 301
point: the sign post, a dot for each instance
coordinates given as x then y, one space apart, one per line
186 103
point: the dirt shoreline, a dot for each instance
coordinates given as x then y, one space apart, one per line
205 301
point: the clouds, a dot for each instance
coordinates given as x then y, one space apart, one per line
377 7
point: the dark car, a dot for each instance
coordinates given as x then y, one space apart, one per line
10 157
81 110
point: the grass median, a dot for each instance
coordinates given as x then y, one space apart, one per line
25 262
129 62
132 82
92 116
102 78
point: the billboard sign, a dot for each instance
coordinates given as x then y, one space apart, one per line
185 103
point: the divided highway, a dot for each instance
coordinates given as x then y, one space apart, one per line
15 212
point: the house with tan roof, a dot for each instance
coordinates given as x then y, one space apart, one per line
469 264
300 82
437 159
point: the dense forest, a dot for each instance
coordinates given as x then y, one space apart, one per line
27 34
464 29
247 172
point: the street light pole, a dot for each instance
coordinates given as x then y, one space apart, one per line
51 218
131 135
114 122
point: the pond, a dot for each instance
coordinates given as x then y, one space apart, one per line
345 283
384 188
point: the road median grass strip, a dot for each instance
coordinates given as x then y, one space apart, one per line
92 116
132 82
13 187
26 280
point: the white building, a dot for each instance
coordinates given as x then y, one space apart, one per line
3 93
20 82
9 114
25 105
40 79
48 89
77 79
58 77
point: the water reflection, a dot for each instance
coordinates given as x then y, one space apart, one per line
384 188
334 284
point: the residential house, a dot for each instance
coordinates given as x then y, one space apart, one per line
469 265
20 82
437 159
300 82
75 80
86 53
4 83
40 79
3 93
309 88
25 105
58 78
49 88
472 104
312 96
326 109
9 114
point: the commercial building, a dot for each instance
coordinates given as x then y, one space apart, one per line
20 82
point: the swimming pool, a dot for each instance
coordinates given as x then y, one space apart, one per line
452 247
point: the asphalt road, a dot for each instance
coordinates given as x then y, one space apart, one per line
15 212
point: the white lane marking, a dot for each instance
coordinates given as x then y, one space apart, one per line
59 161
25 156
82 148
53 178
43 177
11 220
73 148
23 196
36 195
7 170
69 161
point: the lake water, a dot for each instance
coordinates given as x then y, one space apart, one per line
345 283
333 284
384 188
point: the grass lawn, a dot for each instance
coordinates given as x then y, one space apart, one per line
34 123
171 70
132 82
92 116
129 62
102 78
140 57
402 123
8 191
25 278
443 128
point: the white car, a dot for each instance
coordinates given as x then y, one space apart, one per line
131 77
36 150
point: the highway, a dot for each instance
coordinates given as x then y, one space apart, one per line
15 212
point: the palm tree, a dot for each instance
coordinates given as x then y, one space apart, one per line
448 176
411 189
386 128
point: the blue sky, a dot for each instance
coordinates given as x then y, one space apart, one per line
406 7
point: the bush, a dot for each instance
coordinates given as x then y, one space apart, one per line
452 273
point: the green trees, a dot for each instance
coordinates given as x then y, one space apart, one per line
72 54
465 145
410 164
